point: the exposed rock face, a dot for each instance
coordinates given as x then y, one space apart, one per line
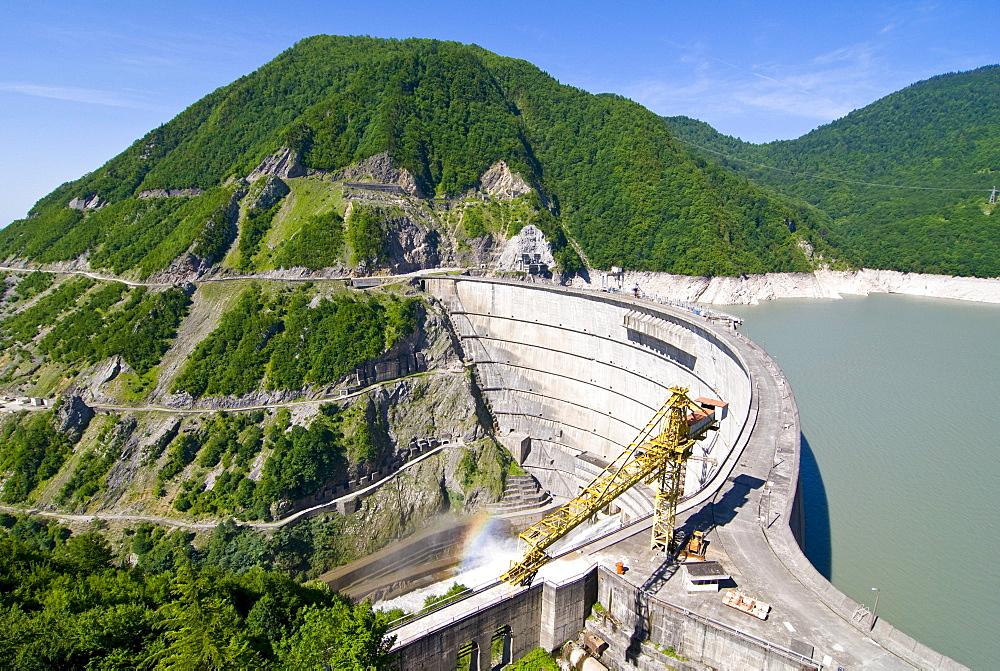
135 437
194 262
501 183
183 267
807 249
282 163
529 241
410 246
170 193
751 289
267 194
381 170
90 385
411 243
184 400
93 202
73 416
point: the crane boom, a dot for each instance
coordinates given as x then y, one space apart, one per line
658 453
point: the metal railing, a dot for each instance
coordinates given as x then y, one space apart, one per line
515 592
694 308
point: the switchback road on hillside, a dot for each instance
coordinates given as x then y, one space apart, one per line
231 278
183 524
105 407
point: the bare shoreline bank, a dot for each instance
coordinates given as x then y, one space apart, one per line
833 284
718 290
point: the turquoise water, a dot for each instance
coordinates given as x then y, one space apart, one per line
901 424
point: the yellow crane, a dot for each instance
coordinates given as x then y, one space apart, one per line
658 455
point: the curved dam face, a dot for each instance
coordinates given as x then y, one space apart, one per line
572 377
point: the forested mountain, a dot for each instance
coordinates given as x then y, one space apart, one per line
604 170
183 391
905 180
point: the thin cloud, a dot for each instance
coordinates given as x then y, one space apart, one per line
779 101
854 53
169 50
820 89
75 94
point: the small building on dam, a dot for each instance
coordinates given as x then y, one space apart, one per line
571 377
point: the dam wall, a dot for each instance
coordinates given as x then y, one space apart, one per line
571 377
579 374
500 625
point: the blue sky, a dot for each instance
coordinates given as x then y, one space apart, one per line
79 81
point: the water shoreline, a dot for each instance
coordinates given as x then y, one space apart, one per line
829 284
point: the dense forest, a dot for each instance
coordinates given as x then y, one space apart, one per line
905 181
302 460
608 171
263 338
68 602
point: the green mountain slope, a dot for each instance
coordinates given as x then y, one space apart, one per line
605 170
905 180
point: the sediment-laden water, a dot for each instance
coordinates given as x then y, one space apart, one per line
900 405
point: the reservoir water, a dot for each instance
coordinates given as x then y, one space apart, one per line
898 398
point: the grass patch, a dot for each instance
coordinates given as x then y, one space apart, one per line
503 218
536 660
456 590
308 197
514 468
672 652
48 380
134 388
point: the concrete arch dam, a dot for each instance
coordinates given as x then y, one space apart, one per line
571 377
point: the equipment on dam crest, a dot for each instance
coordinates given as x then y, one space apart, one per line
743 603
695 547
658 454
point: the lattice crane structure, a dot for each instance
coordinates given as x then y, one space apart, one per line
659 455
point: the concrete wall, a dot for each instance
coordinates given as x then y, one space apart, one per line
563 368
633 619
438 648
544 615
550 612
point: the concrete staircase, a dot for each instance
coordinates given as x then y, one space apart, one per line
520 493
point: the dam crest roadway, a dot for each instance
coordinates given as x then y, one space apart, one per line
571 376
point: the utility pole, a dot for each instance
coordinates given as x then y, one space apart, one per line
878 593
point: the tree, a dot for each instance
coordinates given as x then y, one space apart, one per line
366 236
203 631
340 637
87 552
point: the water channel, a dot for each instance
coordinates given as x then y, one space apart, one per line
898 398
